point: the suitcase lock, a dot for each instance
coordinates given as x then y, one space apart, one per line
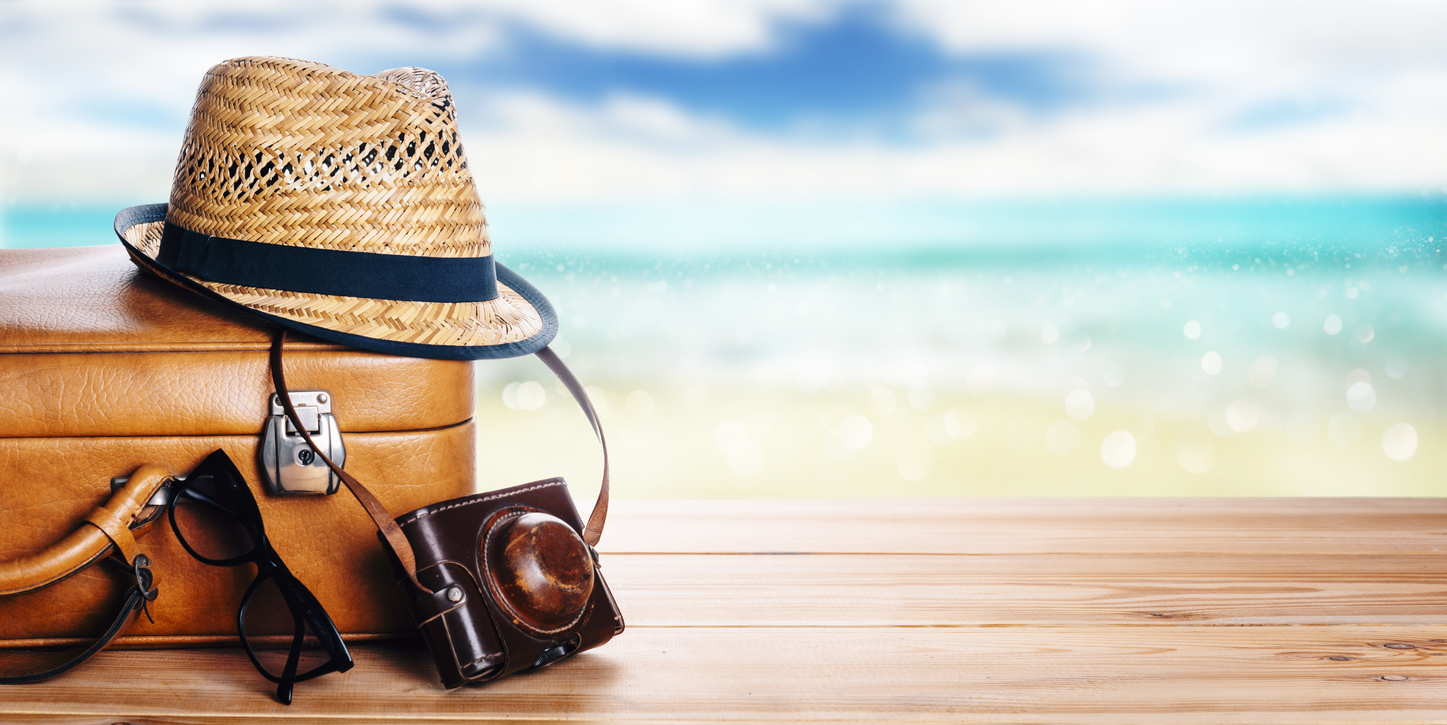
288 464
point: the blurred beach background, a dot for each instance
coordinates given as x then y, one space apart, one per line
818 248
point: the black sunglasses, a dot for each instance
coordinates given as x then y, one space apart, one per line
215 516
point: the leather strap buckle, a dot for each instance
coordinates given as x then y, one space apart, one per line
145 584
144 578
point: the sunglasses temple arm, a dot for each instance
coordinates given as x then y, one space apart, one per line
385 522
285 688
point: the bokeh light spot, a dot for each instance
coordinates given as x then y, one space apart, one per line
1361 397
1242 416
526 395
1118 449
1211 363
1263 371
1079 404
960 423
1396 368
1400 442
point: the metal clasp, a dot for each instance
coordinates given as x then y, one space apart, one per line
288 464
158 500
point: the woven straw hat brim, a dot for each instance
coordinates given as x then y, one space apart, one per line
520 321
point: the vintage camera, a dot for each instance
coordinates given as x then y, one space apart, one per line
514 586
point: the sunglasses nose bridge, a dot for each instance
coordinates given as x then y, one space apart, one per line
268 558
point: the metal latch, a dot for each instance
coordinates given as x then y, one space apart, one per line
161 497
288 464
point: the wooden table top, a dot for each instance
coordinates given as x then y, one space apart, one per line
996 610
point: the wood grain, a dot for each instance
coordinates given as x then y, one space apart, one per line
987 590
1067 674
1034 526
1092 611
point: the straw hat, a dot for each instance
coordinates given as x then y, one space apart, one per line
341 206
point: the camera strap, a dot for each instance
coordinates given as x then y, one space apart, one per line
594 529
385 522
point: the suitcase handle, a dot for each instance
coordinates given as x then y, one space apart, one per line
110 528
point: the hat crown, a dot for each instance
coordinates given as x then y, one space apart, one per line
294 153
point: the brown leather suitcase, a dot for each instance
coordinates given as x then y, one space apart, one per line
104 368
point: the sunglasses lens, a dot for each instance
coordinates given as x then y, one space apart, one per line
271 635
210 516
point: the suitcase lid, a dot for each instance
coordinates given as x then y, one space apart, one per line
92 346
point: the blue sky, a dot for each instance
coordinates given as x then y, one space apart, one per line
752 108
856 71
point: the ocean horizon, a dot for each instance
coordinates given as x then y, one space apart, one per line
870 230
1244 346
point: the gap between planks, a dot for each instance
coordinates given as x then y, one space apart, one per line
1058 674
1170 589
1027 526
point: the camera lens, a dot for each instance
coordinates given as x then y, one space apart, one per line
540 570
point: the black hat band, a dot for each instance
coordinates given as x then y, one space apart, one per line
327 271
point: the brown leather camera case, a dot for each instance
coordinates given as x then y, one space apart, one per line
506 614
104 369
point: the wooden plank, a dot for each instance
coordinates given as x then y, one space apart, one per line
1091 611
1108 589
1004 526
1060 674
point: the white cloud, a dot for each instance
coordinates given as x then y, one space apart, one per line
1375 74
1239 54
629 148
71 72
692 29
1239 39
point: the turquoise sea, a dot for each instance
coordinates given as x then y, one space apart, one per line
1249 346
